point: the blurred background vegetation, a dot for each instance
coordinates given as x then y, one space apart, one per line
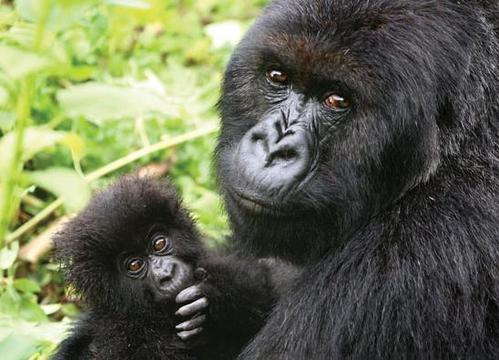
89 90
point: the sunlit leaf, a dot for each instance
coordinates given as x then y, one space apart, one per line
17 347
45 331
17 63
22 33
4 96
30 310
138 4
8 255
61 14
7 120
225 33
36 139
26 285
75 143
65 183
50 309
99 102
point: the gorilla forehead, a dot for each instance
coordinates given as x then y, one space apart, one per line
379 44
124 213
335 34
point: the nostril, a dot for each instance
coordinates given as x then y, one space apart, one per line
257 136
285 154
168 275
165 279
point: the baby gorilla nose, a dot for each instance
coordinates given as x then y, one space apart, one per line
167 274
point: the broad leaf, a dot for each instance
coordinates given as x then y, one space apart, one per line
138 4
62 13
26 286
65 183
35 140
226 33
18 63
17 347
4 96
8 255
99 102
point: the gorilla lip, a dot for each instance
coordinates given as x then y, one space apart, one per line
255 206
178 283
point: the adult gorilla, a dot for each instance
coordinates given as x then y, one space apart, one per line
360 139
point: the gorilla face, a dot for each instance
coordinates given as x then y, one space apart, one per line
328 119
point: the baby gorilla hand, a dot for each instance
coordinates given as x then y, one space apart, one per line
192 303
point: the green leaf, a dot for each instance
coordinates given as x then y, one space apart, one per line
62 13
70 309
17 63
15 347
4 96
50 309
99 102
65 183
7 121
8 255
138 4
225 33
36 139
27 286
45 331
30 310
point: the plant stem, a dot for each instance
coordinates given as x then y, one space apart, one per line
7 194
174 141
149 150
8 198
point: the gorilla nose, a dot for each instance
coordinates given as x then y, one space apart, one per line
271 158
167 274
278 152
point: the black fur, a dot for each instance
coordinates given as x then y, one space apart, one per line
123 321
398 225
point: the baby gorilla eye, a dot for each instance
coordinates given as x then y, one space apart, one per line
277 77
337 102
160 243
135 265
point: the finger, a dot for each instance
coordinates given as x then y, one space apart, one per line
189 294
186 335
191 324
193 308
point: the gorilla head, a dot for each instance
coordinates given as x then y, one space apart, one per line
333 111
132 249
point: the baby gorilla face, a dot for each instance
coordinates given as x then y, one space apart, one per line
164 273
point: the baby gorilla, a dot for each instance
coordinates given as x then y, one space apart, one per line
135 257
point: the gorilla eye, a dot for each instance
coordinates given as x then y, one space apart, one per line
337 102
135 265
277 77
160 243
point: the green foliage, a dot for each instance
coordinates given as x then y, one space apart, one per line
90 90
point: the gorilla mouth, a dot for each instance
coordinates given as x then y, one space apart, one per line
258 207
181 280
